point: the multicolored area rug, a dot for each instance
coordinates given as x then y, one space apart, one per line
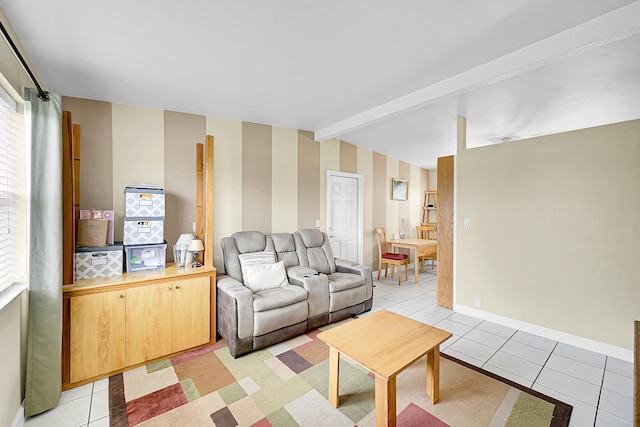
286 385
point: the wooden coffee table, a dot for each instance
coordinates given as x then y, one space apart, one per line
385 343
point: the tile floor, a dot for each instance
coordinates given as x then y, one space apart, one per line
600 388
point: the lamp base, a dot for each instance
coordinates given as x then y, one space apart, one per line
196 262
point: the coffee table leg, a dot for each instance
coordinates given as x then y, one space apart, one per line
433 374
334 376
385 401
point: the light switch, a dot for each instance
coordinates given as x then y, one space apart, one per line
317 223
467 222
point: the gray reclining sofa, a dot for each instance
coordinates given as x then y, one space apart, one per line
279 286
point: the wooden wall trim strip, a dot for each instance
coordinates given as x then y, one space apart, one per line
68 215
445 232
75 152
207 229
379 203
199 188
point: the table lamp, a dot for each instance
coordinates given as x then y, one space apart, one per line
196 246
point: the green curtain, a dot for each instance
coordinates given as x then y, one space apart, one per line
44 330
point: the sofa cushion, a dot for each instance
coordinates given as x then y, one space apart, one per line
314 250
259 277
285 248
269 299
342 281
250 241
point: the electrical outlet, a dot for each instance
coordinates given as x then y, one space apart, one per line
194 226
478 302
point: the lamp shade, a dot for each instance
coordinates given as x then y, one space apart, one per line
196 245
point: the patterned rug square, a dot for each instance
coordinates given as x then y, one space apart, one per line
287 385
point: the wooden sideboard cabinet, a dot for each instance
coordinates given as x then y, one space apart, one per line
115 323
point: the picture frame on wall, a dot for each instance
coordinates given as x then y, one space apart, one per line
399 189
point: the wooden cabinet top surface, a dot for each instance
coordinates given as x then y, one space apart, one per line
170 272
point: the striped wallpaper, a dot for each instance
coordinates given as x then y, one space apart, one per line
267 178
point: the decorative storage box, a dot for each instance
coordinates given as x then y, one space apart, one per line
143 203
145 257
143 231
103 261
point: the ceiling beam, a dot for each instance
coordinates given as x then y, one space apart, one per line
609 28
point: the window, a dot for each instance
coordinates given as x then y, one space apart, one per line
7 107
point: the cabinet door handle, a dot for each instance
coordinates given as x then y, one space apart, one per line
168 288
177 286
120 296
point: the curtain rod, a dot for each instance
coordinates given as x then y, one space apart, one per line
41 93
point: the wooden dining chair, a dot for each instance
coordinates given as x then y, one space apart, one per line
388 258
427 232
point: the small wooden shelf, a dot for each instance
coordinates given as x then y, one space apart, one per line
430 205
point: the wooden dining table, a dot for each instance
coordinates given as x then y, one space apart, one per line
419 247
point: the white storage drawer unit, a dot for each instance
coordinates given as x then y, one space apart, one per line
145 257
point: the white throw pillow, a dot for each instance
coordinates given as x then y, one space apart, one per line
256 258
251 258
259 277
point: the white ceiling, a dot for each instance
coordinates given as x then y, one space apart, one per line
389 76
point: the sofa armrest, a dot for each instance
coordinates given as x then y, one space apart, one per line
346 266
235 291
317 287
300 270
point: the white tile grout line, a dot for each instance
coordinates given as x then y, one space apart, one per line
545 363
604 371
93 386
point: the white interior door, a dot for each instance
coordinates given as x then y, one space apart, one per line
344 215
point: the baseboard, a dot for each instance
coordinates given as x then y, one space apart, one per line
552 334
19 420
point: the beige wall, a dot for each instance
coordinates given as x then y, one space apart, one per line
554 231
267 178
180 181
96 150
